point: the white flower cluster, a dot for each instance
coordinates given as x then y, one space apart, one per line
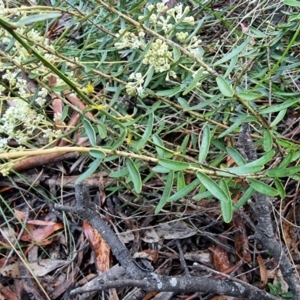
158 56
133 88
171 16
130 40
21 120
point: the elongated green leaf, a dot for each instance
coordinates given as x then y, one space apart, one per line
262 160
236 156
292 3
212 187
157 140
183 192
226 206
278 107
231 66
37 18
244 170
201 196
234 126
224 87
278 118
160 169
249 96
102 130
166 193
120 140
194 82
183 103
263 188
173 165
288 158
267 140
169 93
97 153
90 171
176 54
180 180
146 133
243 200
149 77
283 172
280 188
89 131
233 53
135 175
120 173
204 144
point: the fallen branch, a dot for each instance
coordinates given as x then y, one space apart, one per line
149 281
264 230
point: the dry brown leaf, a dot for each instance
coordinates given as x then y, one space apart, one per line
99 246
262 270
220 258
40 234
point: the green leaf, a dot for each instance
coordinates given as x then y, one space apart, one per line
267 140
201 196
173 165
176 54
262 160
97 153
278 118
184 104
245 170
288 158
169 93
183 192
236 156
37 18
102 130
135 175
204 144
226 206
90 171
149 76
120 140
249 96
180 181
157 140
292 3
263 188
160 169
278 107
120 173
146 133
90 132
243 200
194 82
234 126
166 193
280 188
224 87
282 172
212 187
233 53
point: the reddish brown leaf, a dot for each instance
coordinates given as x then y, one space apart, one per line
220 258
99 246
